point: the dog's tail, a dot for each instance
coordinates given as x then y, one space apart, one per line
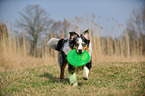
55 43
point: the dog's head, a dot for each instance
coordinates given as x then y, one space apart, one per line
80 42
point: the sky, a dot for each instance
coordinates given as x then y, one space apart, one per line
120 10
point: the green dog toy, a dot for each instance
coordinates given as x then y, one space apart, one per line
77 59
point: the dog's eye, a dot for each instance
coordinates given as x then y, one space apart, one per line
84 45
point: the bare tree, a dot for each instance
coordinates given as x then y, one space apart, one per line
136 28
59 28
34 20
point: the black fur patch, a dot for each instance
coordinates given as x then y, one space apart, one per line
71 69
72 42
85 40
62 58
60 44
89 64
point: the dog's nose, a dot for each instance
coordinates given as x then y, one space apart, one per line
80 50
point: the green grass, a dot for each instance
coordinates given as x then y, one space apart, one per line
104 79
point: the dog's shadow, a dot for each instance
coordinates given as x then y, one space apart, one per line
54 79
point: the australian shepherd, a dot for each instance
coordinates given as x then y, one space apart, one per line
80 42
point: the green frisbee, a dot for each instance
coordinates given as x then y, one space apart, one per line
77 59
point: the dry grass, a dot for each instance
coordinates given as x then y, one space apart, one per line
10 58
15 51
105 79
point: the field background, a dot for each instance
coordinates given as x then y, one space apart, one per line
118 65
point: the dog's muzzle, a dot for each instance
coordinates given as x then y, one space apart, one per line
80 51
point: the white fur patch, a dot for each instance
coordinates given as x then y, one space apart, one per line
90 49
53 43
73 78
66 48
80 44
85 72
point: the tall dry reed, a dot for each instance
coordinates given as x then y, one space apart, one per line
15 51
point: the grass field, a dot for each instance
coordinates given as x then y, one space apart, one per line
126 79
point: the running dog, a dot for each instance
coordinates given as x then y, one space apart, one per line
80 42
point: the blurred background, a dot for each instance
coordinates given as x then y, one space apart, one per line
117 30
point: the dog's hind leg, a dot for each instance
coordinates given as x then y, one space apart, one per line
62 69
62 63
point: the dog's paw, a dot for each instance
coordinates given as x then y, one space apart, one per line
75 85
61 77
85 78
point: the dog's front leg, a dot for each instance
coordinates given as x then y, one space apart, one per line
85 73
86 70
72 75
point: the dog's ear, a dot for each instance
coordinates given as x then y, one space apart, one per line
86 34
73 35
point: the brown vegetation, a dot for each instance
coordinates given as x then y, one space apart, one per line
15 51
